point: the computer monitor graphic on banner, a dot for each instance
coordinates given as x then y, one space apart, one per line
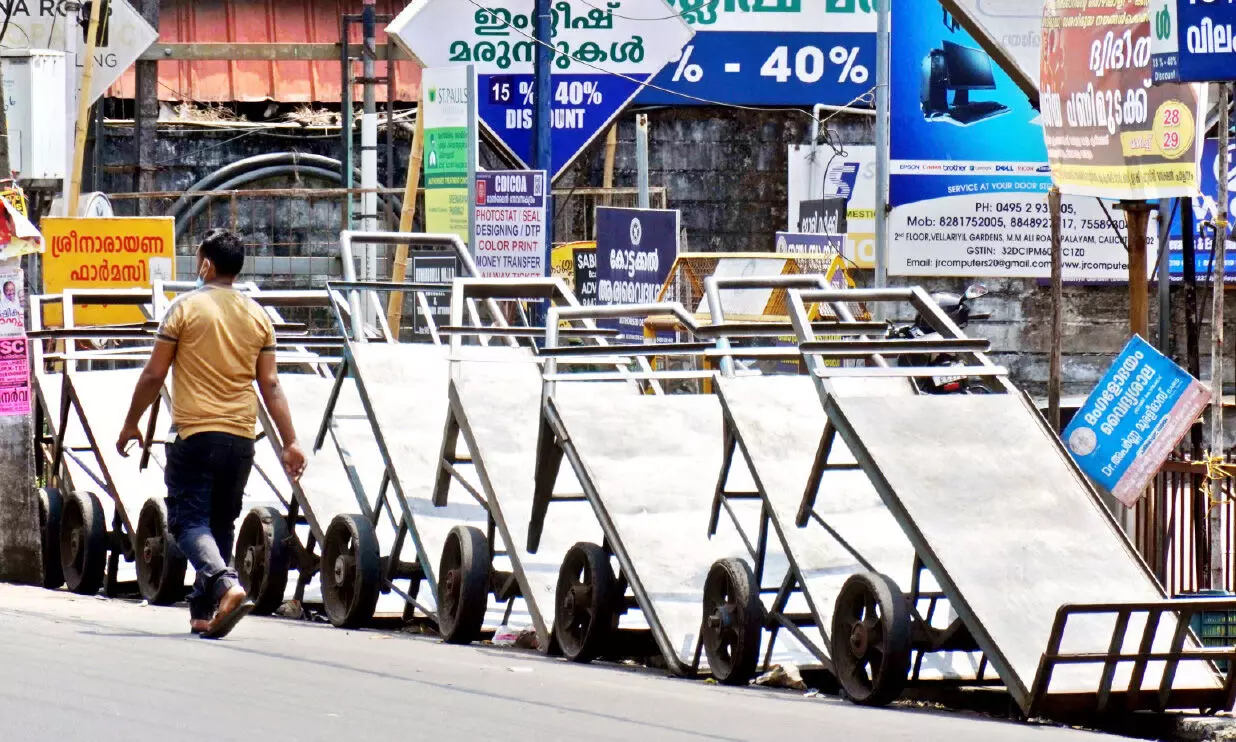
958 69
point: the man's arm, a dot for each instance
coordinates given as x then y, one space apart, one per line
146 392
277 405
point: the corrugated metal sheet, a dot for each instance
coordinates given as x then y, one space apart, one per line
258 21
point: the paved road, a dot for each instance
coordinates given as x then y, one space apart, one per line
89 670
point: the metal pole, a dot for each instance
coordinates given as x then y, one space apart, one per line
1057 311
83 110
881 143
369 140
346 116
542 142
474 143
1165 281
1214 515
641 158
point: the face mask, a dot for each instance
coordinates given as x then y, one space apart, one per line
200 282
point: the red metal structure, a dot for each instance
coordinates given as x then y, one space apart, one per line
263 21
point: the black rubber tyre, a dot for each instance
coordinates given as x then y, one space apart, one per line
871 639
51 510
351 571
262 558
463 585
160 565
83 543
733 621
585 603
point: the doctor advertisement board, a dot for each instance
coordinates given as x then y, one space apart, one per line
969 175
1129 424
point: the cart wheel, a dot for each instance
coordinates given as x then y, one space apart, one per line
733 621
262 558
871 639
585 602
83 543
51 509
160 565
463 585
351 571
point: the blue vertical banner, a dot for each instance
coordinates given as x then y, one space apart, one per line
1191 41
636 249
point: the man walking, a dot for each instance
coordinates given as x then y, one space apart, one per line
220 341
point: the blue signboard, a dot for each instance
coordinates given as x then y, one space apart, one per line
1191 41
771 52
768 68
583 105
1205 208
1129 424
636 249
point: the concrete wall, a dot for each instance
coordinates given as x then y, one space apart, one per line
726 170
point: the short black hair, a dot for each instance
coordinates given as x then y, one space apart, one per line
223 248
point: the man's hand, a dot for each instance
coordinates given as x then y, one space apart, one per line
294 461
128 434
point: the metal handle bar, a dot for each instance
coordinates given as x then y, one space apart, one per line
892 347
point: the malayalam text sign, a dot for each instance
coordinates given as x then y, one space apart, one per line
1191 41
114 253
14 376
510 224
1130 423
798 242
969 174
632 38
1109 132
636 249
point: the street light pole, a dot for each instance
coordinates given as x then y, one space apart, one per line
881 141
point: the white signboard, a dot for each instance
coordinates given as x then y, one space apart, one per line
1006 234
41 24
603 54
631 37
510 224
825 172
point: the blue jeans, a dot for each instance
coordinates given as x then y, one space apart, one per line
206 476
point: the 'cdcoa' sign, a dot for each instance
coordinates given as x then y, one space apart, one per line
1141 409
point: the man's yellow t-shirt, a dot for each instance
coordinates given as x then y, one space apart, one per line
219 334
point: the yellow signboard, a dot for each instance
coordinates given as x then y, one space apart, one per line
114 253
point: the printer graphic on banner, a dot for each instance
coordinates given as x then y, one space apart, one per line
1130 423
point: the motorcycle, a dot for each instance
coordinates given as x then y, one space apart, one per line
957 307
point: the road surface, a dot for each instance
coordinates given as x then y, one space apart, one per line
91 670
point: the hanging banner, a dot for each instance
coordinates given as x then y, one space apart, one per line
447 164
1109 133
969 176
510 224
636 249
116 253
1130 423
